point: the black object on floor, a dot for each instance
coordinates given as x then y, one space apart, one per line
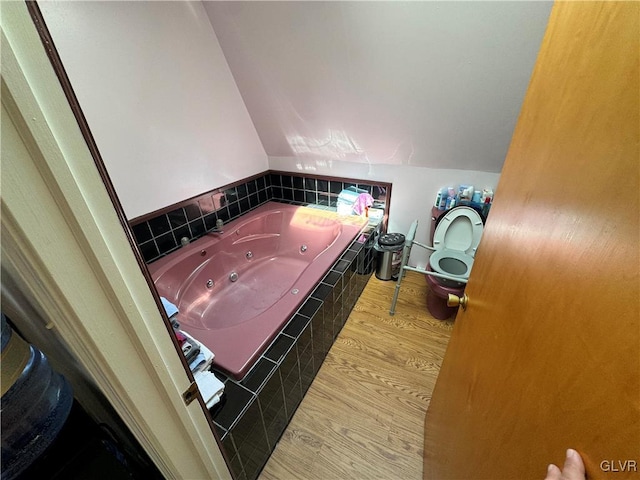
83 449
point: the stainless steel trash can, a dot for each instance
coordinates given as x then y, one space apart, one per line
389 258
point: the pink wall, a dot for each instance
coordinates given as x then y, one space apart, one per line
159 98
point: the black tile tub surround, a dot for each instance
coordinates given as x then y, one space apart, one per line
257 409
305 188
159 233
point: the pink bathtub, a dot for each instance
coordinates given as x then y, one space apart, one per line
236 290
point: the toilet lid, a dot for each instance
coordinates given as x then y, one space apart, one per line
459 229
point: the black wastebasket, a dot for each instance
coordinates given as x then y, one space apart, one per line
389 248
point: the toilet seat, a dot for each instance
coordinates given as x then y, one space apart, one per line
451 262
455 241
459 229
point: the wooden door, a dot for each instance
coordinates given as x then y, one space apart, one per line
546 356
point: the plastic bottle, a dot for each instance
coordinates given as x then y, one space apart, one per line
35 405
486 206
443 199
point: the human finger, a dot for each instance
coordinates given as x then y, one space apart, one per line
573 468
553 473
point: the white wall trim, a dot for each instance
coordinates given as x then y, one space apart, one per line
61 240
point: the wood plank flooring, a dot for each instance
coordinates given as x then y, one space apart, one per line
363 416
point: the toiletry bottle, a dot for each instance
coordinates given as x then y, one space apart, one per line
443 199
486 206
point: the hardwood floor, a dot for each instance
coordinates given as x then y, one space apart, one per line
363 416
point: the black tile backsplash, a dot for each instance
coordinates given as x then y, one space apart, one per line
230 195
234 210
310 197
335 187
286 181
192 211
310 184
197 228
159 225
298 183
242 190
194 218
177 217
228 203
322 186
149 249
210 221
223 214
166 242
287 194
323 199
182 232
142 232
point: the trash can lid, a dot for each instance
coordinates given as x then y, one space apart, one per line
391 239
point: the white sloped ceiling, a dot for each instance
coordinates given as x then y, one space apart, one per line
428 84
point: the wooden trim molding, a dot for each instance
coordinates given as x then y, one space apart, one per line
64 243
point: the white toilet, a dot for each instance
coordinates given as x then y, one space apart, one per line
455 240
